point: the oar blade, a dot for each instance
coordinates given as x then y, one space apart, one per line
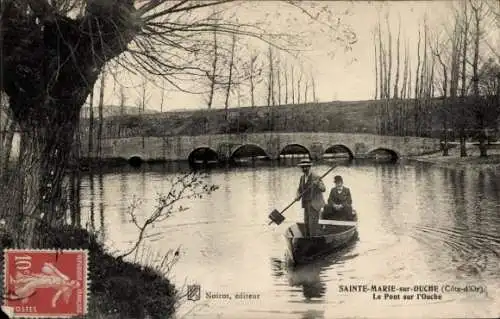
276 217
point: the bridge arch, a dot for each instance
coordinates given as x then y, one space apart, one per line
338 148
249 150
135 160
384 154
294 149
203 154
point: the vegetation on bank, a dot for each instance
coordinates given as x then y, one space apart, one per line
454 160
118 288
336 116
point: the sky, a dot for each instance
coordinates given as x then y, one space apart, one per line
345 76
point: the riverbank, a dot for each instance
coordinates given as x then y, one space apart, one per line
471 161
118 288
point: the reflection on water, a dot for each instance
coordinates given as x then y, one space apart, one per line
308 279
418 225
311 277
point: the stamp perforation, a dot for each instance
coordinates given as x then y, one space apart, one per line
48 277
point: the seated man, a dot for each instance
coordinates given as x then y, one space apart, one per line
339 206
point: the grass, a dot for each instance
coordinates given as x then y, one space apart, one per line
332 116
336 116
118 289
453 160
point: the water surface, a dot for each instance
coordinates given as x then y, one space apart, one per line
419 225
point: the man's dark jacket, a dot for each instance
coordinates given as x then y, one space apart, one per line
313 189
344 197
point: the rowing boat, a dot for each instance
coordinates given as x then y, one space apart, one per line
329 238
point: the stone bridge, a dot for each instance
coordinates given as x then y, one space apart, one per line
226 146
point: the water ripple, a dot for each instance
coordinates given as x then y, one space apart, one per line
418 224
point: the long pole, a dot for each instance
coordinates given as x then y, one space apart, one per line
302 193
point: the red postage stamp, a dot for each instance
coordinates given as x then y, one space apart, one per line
46 283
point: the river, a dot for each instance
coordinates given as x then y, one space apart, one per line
418 225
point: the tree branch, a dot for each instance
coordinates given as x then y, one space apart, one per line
188 186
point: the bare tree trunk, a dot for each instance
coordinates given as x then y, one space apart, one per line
253 59
91 125
230 78
498 95
410 91
142 105
293 85
7 142
162 99
238 92
424 76
299 82
423 71
464 50
454 78
212 76
417 96
7 127
306 90
75 182
386 80
101 117
430 95
278 73
396 80
404 120
431 80
77 147
405 74
475 63
445 126
44 157
286 84
455 56
407 91
446 108
313 82
142 108
270 81
381 61
475 82
122 107
389 71
376 66
3 129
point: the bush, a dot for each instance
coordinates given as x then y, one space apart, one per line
125 289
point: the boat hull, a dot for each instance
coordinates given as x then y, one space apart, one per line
329 239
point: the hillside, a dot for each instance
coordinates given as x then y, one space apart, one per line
115 110
336 116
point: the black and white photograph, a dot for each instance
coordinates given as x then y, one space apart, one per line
249 159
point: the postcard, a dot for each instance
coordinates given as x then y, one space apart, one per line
250 159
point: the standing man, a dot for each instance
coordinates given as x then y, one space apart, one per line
310 190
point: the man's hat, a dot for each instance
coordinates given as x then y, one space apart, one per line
305 163
338 179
